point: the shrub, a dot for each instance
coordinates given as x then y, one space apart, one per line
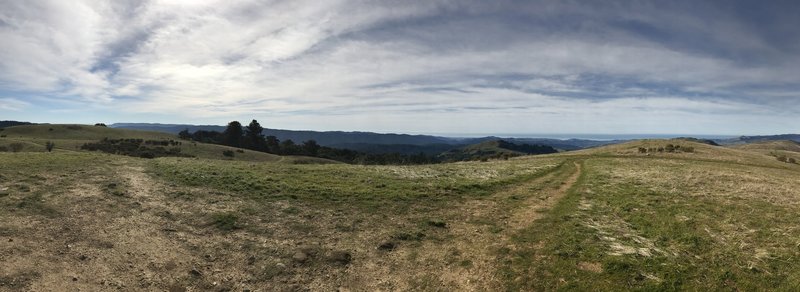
3 149
688 149
49 145
16 147
100 125
781 158
792 160
225 222
228 153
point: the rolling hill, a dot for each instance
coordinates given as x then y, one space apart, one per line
72 137
611 218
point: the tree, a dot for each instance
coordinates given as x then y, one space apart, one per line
49 145
233 134
254 137
185 134
311 148
273 145
288 147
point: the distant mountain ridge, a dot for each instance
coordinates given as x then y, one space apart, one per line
754 139
4 124
377 142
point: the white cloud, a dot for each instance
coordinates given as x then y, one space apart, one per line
11 104
375 59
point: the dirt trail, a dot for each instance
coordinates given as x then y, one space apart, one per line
481 245
525 216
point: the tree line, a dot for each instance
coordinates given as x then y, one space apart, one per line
252 137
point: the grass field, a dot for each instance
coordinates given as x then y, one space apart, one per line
604 219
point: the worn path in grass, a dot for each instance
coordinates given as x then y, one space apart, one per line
532 199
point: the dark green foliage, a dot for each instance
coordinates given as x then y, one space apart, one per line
137 147
791 160
526 148
228 153
311 148
253 137
100 125
185 134
233 134
4 124
49 145
669 148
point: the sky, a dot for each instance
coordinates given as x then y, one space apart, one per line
611 67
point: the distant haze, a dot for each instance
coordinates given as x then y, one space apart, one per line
472 67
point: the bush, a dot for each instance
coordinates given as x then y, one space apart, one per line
228 153
781 158
49 145
3 149
100 125
16 147
791 160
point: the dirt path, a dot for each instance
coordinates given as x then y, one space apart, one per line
534 205
480 244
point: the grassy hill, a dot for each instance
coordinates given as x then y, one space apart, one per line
493 149
781 148
72 137
605 219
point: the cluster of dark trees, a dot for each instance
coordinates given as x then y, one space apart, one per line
668 149
251 137
4 124
526 148
137 147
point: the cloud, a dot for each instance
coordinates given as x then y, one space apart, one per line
11 104
214 60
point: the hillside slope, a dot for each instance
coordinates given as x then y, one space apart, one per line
613 218
72 137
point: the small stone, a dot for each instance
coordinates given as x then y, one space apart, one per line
300 257
74 279
340 257
83 257
195 272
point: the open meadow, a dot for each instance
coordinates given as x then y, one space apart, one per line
605 219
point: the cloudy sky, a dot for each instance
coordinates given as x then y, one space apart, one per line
689 67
